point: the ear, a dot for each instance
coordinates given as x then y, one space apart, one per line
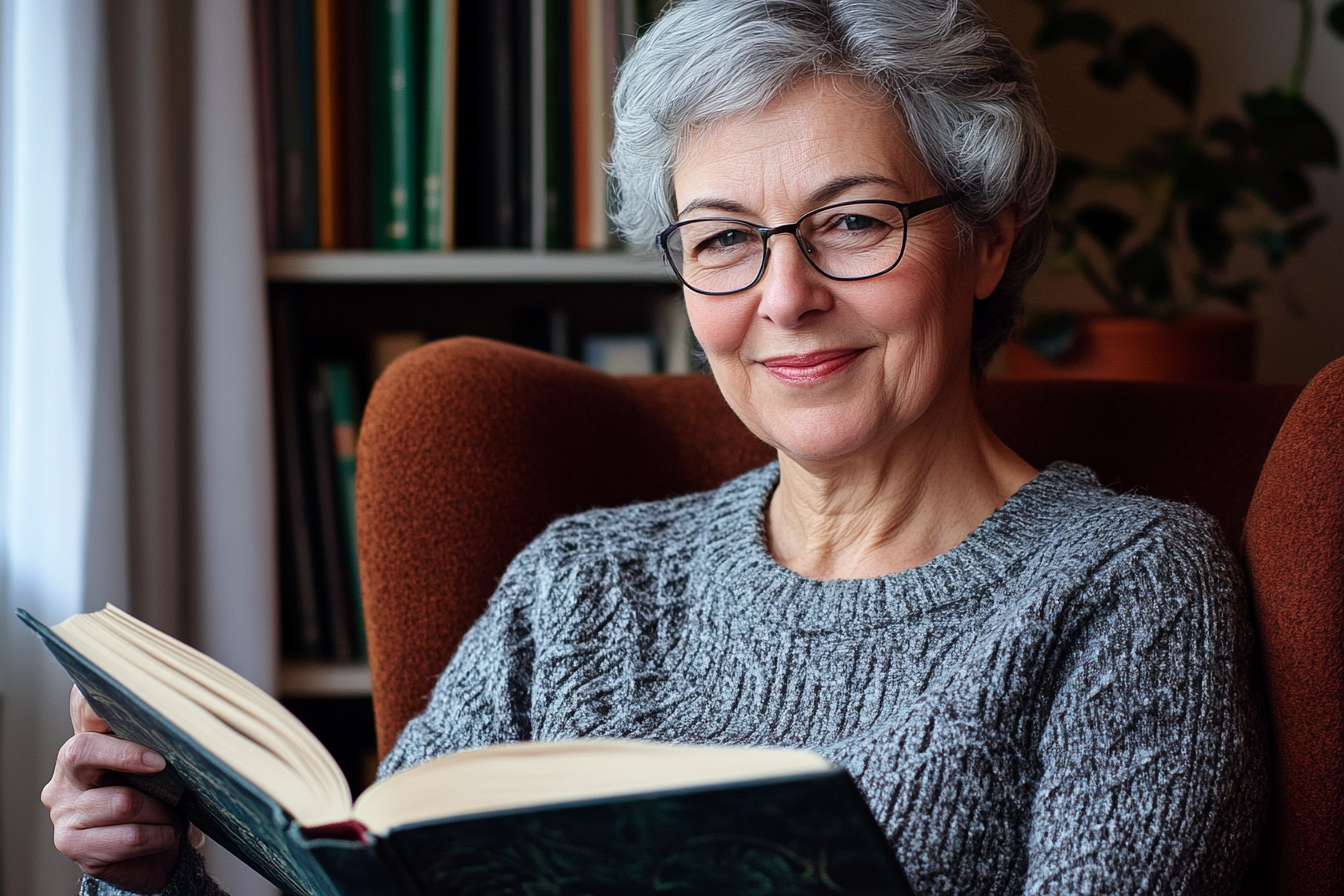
993 246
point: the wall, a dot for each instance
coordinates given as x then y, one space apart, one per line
1246 45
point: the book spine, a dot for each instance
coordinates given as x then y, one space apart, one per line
263 49
330 180
559 128
294 77
355 75
301 617
521 105
440 90
339 382
396 141
537 121
336 604
580 39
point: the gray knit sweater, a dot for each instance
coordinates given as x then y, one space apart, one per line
1059 704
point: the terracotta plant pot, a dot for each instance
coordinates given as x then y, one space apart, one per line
1195 348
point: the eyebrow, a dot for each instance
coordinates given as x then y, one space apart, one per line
820 196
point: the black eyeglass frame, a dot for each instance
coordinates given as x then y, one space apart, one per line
908 210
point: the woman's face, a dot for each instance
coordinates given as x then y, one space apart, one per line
823 369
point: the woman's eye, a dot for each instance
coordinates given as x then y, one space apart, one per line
855 222
726 239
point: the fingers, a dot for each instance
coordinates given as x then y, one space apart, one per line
122 820
85 758
113 827
114 833
82 716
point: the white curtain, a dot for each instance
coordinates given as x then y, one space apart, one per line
134 414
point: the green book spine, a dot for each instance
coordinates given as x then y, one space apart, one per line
437 183
396 139
339 382
558 125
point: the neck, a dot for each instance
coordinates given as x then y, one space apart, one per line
896 508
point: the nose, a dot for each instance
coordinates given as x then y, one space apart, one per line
791 288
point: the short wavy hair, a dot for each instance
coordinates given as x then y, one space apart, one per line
966 95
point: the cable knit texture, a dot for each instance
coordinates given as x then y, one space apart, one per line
1059 704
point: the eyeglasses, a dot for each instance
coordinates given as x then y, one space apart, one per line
844 241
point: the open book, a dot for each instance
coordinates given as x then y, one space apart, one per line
580 816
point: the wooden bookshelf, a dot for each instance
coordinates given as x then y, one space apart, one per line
320 679
478 266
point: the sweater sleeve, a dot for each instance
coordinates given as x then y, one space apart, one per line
189 878
1153 757
482 697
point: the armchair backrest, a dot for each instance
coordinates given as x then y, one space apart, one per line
469 448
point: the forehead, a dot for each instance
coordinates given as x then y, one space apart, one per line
817 133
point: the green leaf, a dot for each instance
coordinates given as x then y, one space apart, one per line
1106 224
1288 129
1286 190
1146 270
1208 183
1208 235
1275 245
1110 71
1299 232
1050 335
1228 130
1168 62
1082 26
1335 18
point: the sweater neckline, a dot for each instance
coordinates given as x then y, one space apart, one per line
757 586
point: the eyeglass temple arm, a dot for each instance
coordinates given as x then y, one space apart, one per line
927 205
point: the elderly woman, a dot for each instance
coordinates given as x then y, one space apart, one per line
1039 685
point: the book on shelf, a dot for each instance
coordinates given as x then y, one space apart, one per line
328 113
489 83
579 816
440 126
405 124
268 151
301 625
354 170
338 605
295 126
338 387
396 30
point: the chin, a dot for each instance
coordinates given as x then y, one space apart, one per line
822 435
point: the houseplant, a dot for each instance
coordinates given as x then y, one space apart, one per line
1196 213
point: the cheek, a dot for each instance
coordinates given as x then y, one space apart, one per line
720 324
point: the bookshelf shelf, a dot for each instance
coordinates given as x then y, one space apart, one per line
467 266
322 679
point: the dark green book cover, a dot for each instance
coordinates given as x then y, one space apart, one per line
295 125
339 382
791 836
396 30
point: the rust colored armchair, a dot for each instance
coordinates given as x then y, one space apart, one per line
469 448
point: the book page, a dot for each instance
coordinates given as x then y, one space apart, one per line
235 737
537 773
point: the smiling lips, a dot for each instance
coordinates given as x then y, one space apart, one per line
811 367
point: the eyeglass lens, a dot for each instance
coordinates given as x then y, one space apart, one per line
847 242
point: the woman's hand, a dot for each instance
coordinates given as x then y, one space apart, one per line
114 833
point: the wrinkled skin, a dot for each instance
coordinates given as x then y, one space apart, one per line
113 832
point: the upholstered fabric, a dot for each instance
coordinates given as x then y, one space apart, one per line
1295 557
469 448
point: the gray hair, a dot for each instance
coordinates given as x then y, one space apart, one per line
964 92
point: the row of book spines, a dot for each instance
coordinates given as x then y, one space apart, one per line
315 104
314 101
327 616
